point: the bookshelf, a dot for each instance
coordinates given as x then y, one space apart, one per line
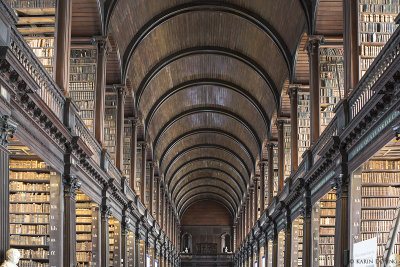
138 169
276 176
130 253
303 116
286 144
281 249
34 197
37 25
331 82
297 242
376 25
269 253
323 224
82 83
127 150
115 241
86 230
110 122
380 194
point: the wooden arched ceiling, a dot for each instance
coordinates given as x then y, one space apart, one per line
208 78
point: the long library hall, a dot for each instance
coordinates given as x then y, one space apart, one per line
177 133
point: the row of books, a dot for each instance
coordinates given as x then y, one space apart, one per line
82 69
326 260
29 176
82 86
365 63
40 42
379 202
83 227
370 50
28 263
381 237
326 239
24 164
40 229
87 114
376 226
327 221
83 212
382 27
30 207
29 240
374 37
23 186
84 237
83 256
29 197
379 7
75 77
382 214
86 245
29 218
38 253
32 3
381 165
376 18
327 249
380 191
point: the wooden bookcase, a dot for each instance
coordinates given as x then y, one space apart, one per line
323 224
297 242
376 25
34 212
87 221
127 150
287 143
130 253
37 25
281 248
331 82
114 241
110 122
303 115
276 177
82 83
138 169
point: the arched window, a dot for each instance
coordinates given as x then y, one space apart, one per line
226 243
186 243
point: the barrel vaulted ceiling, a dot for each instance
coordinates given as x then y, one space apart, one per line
207 78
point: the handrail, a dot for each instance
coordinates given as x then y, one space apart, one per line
363 91
87 137
47 88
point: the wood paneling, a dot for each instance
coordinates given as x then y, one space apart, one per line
85 18
329 19
206 213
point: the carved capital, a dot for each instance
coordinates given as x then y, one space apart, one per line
101 43
105 211
338 184
313 43
293 90
71 185
7 129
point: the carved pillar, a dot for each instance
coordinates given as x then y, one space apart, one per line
137 247
101 44
275 248
71 185
281 155
251 209
158 206
7 128
134 122
143 187
350 42
292 92
124 240
62 44
105 234
162 195
342 225
288 239
307 230
270 149
247 214
120 128
255 200
262 187
151 200
313 54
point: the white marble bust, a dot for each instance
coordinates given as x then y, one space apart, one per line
13 257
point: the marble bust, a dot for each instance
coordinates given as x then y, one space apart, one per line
13 257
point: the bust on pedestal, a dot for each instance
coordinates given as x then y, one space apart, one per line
13 256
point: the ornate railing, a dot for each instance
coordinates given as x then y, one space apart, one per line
47 89
327 134
363 91
87 137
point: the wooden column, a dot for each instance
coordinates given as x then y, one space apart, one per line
120 128
262 187
255 199
292 92
270 149
350 42
62 44
275 249
288 239
251 209
143 187
134 122
137 247
342 225
101 44
162 194
281 155
105 235
313 54
158 206
124 242
151 200
7 128
307 230
71 185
